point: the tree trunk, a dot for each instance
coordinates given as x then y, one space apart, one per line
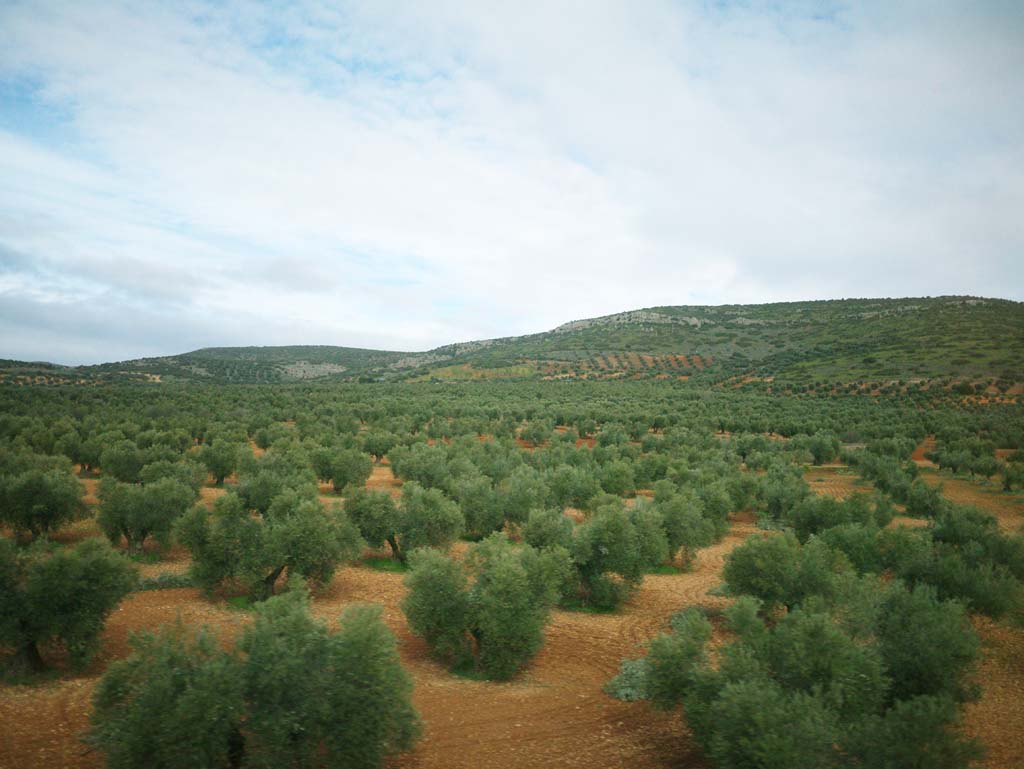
236 749
29 654
396 553
478 640
268 582
135 544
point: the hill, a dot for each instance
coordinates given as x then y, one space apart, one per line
836 341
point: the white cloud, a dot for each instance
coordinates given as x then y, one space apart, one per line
405 175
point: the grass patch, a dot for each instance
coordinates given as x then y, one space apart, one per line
665 568
467 669
240 603
384 563
145 558
165 581
575 604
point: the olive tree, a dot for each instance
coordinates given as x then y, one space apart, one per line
139 512
686 526
295 534
779 571
39 500
804 692
606 552
290 694
496 622
349 467
425 518
220 458
59 596
122 460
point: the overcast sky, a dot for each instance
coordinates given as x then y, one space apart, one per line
405 175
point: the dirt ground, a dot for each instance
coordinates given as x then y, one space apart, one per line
918 457
997 719
1008 509
835 481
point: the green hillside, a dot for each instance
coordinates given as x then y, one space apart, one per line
835 341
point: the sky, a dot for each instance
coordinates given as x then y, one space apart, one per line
405 175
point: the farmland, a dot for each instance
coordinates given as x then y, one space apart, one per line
674 480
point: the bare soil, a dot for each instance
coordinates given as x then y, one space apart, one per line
1008 508
838 482
918 457
997 719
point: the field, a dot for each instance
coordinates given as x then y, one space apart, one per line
555 715
726 469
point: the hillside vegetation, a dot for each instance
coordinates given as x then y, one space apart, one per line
959 339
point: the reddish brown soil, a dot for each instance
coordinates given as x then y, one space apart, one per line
918 457
906 520
77 531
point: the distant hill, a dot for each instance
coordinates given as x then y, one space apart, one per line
847 340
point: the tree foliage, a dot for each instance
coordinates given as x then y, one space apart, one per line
59 597
295 535
497 620
291 694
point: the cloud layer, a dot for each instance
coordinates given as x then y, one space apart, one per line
404 175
